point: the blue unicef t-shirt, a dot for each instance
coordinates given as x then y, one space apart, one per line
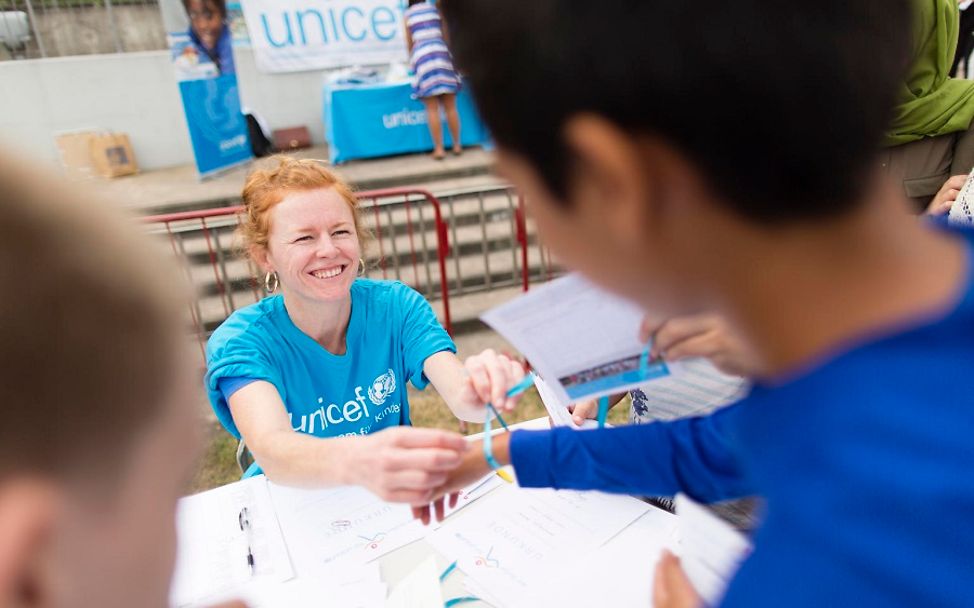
391 333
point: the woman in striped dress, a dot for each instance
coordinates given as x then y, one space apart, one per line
436 82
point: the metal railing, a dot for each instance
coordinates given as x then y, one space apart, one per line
494 244
458 244
410 246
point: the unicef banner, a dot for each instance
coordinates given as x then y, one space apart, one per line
199 34
298 35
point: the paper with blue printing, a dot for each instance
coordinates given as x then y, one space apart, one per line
582 340
383 119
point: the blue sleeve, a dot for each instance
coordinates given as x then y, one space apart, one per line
696 456
422 335
232 358
229 386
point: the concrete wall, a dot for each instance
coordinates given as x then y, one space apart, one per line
282 100
135 93
87 30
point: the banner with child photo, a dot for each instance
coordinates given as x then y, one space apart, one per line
199 36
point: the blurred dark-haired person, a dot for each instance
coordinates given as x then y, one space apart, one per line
688 179
930 137
96 440
210 33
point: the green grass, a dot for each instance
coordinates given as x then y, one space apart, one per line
218 465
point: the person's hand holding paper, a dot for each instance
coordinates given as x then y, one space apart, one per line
671 587
705 335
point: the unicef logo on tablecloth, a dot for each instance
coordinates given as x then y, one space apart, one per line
382 387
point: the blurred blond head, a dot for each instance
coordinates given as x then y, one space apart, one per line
95 440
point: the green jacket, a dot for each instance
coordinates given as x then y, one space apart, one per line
931 102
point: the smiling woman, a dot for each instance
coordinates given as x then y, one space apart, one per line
329 358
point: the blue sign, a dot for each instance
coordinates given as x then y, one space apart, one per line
217 128
203 61
381 120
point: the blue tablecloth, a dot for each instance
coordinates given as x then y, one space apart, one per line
382 119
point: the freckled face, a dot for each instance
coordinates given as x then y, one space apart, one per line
313 246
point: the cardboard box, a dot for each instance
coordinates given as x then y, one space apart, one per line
87 153
112 155
75 150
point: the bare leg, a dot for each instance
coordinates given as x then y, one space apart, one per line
452 120
433 122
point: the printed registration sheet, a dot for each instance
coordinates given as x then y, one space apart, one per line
619 573
504 545
340 526
581 339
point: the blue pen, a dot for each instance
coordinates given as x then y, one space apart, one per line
517 389
526 382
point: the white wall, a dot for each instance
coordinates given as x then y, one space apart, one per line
135 93
282 100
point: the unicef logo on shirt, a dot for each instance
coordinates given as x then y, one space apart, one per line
382 387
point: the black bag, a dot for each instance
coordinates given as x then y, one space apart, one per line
259 143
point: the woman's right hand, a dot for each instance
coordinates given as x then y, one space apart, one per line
404 464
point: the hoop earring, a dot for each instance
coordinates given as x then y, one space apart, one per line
361 267
271 282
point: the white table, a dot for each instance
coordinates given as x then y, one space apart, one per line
397 564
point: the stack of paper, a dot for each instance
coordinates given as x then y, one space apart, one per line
342 525
504 546
216 550
618 574
360 586
420 589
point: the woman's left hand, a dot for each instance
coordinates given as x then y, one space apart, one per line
671 587
489 376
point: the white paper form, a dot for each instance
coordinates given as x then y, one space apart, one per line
618 574
469 494
710 550
698 389
505 543
558 409
346 524
212 549
584 341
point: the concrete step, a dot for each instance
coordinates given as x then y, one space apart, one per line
180 189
